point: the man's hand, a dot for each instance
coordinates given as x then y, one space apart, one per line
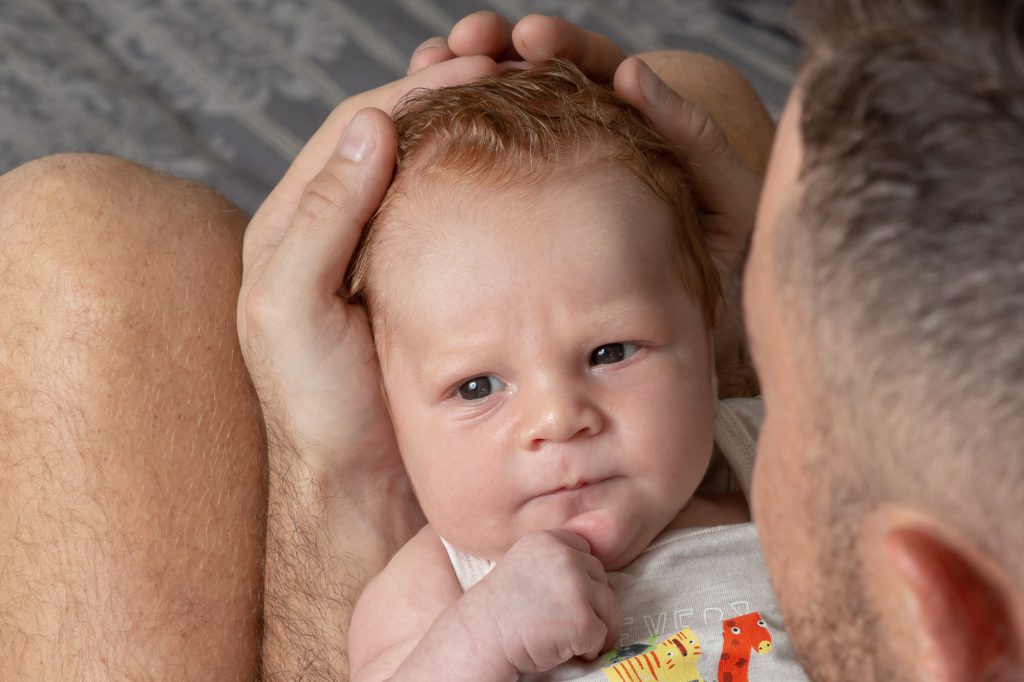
339 503
310 354
727 179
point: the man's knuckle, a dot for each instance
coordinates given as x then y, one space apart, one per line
263 309
325 196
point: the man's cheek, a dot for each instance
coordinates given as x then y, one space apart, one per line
762 484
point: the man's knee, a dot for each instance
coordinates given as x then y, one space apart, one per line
93 210
86 236
131 442
109 269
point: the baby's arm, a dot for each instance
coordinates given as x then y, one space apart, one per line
400 606
546 601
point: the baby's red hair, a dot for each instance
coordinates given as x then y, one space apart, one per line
519 128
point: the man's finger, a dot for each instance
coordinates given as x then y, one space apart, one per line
483 33
539 37
719 172
431 51
267 228
311 261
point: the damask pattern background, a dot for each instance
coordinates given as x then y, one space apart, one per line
226 91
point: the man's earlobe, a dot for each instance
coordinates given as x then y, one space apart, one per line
964 621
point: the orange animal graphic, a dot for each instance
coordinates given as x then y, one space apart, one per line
673 660
740 636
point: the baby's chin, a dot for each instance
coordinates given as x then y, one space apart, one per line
615 545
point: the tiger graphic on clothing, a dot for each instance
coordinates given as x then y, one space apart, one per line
672 660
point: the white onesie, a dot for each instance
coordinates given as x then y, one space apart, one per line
697 603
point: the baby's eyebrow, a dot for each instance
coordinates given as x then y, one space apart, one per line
449 360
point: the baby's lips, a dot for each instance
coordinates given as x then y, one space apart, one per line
577 483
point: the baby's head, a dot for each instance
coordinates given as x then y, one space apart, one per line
542 301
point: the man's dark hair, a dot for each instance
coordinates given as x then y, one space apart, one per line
907 263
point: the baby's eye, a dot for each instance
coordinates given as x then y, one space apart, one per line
610 353
480 387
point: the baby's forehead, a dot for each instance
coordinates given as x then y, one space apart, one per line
460 232
459 241
432 200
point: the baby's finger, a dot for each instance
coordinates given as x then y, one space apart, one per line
539 37
431 51
311 261
485 33
595 633
573 540
606 606
594 568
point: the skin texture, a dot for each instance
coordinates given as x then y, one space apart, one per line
131 508
788 446
149 488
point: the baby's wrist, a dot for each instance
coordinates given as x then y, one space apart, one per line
473 625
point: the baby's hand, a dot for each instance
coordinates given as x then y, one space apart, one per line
546 601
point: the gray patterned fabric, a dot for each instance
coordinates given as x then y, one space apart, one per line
226 91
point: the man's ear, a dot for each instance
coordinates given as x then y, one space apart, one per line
964 621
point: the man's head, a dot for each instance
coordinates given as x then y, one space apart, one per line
542 299
885 301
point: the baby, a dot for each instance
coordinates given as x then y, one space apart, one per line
542 301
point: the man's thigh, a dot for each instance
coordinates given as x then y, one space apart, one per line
131 492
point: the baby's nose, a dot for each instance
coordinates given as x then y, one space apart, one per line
560 416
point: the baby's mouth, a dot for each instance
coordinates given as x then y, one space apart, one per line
574 487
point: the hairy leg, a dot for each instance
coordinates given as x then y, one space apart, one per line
131 466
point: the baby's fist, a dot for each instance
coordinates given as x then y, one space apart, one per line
546 601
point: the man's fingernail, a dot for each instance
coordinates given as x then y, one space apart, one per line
360 139
654 89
